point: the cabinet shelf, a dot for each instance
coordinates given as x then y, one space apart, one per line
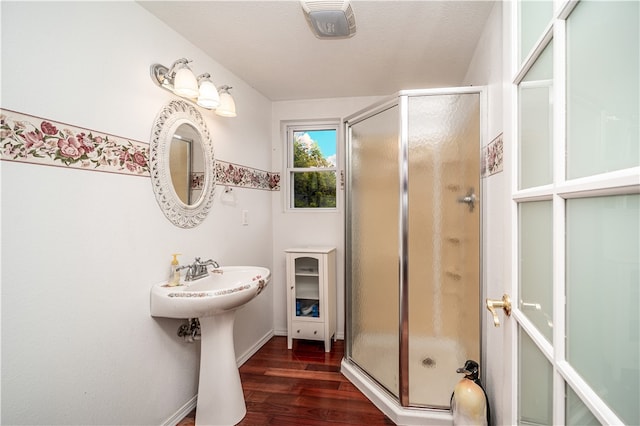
311 294
307 291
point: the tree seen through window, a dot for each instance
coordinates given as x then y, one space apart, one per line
314 170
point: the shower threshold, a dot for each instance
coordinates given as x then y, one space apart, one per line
385 402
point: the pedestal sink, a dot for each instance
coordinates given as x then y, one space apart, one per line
214 301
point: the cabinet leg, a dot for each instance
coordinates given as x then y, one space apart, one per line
289 342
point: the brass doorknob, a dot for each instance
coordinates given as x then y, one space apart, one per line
493 304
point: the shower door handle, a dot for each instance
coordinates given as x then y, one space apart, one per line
469 199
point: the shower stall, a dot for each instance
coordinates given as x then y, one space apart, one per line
413 280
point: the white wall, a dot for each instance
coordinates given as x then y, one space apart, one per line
81 249
296 229
486 69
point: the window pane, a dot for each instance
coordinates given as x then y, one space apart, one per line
535 130
314 148
536 265
535 383
314 189
577 414
534 17
603 87
603 291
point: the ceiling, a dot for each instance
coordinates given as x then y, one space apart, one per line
398 44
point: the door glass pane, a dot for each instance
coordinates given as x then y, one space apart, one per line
534 16
535 122
603 291
536 264
307 287
374 202
535 383
444 243
603 87
577 414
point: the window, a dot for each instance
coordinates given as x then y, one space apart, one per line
311 166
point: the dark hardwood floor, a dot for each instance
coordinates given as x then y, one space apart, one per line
301 387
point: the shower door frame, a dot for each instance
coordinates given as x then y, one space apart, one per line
401 100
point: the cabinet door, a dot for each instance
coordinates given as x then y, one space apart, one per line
307 287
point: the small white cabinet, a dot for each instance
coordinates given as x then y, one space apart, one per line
311 294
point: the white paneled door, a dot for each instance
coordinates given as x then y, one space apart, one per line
576 213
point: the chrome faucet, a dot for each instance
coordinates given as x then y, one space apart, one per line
198 269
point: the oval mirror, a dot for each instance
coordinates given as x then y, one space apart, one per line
182 164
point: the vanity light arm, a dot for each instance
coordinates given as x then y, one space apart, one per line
203 76
172 69
160 73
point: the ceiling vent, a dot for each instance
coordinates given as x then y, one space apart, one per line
330 18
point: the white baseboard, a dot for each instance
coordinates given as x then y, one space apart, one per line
182 412
253 349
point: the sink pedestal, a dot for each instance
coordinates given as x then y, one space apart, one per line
214 301
220 396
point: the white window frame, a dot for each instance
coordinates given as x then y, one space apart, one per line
288 129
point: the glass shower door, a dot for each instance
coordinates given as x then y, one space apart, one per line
373 223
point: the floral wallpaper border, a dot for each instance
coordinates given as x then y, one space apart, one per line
492 157
246 177
34 140
29 139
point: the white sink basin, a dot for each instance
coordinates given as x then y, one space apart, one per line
225 289
214 300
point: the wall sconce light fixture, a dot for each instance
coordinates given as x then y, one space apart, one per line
227 107
180 80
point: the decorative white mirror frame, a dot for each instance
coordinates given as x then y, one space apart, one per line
172 116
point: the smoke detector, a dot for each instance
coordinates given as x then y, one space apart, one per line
330 18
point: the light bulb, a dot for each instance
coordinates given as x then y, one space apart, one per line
208 96
185 83
227 106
